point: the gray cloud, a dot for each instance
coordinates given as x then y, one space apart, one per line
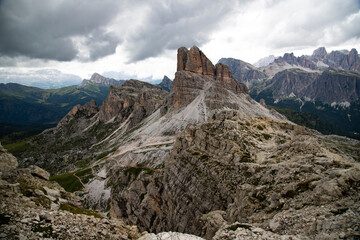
87 30
46 29
171 24
313 23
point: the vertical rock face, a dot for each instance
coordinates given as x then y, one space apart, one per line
319 53
354 60
135 98
166 84
196 73
195 61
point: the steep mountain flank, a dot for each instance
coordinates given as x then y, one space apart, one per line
237 168
85 126
29 105
166 84
244 72
289 83
332 95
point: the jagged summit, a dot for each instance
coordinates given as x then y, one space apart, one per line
195 72
166 84
99 79
195 61
319 53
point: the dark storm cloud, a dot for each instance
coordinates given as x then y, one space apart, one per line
46 29
171 24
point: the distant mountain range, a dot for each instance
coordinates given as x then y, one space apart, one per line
30 110
46 79
324 84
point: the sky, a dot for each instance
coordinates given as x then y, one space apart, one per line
139 38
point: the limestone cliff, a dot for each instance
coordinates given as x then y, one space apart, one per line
196 73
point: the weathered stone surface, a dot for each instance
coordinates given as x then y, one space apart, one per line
319 53
166 84
247 232
7 161
272 174
36 171
134 97
169 236
243 72
198 73
195 61
89 109
28 214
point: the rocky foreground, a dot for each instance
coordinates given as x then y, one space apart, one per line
31 207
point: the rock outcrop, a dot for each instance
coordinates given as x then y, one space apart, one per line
89 109
135 98
8 161
271 174
34 208
244 72
166 84
196 73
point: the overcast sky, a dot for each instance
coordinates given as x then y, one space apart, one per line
140 37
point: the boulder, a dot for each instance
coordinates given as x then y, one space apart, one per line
39 172
7 160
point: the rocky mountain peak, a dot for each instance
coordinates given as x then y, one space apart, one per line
89 109
195 61
196 73
319 53
166 84
99 79
135 98
222 71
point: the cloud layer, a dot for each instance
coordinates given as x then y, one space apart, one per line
89 31
54 29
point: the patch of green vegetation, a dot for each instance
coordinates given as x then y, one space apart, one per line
68 181
266 136
43 201
132 171
149 171
246 157
12 133
46 230
26 188
85 175
214 116
17 147
83 162
104 154
260 127
76 210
